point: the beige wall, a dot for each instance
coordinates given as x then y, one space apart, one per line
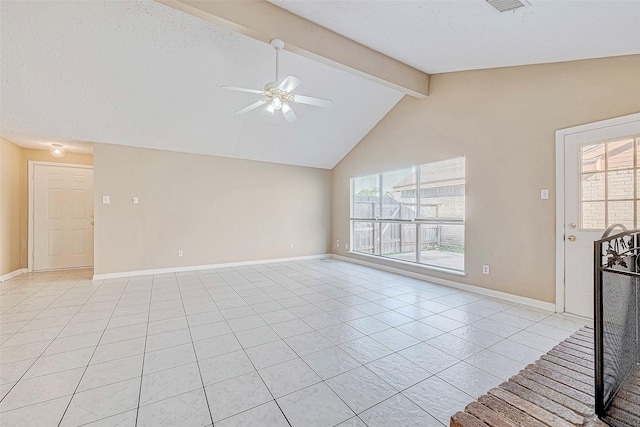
217 210
504 122
10 156
40 156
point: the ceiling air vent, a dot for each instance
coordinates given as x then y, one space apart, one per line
506 5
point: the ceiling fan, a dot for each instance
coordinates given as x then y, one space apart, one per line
277 94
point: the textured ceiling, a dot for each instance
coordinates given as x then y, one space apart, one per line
145 75
453 35
139 73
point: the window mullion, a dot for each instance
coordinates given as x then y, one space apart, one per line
379 224
380 183
418 215
606 185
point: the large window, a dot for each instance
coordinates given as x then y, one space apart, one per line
414 214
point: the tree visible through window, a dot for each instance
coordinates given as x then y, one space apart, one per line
414 214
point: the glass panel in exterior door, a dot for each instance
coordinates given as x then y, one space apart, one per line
593 214
608 184
620 154
592 187
621 212
620 184
592 158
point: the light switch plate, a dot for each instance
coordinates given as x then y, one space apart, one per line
544 194
106 200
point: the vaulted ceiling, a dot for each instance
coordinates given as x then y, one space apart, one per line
143 74
442 36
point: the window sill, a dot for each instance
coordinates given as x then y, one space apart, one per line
411 264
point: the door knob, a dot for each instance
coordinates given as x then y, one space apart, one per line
571 238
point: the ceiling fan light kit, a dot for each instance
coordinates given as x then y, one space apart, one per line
277 95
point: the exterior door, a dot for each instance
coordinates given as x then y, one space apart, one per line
62 217
601 189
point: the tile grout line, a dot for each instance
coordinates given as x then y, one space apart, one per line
332 289
357 415
397 352
304 361
45 349
46 307
254 367
250 361
144 350
32 294
193 346
306 364
94 350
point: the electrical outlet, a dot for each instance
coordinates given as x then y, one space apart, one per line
291 246
485 269
135 200
346 246
180 253
337 243
106 200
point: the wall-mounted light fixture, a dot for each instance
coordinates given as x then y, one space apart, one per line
57 150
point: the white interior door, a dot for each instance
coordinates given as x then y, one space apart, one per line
62 217
601 189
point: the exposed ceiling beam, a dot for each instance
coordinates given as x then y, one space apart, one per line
264 21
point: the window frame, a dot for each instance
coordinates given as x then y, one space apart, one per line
605 172
378 221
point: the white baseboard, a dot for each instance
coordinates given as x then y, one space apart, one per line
456 285
201 267
13 274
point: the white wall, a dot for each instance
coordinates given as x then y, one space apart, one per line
217 210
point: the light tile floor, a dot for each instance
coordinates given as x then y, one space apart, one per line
313 343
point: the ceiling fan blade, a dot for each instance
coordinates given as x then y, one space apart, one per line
252 106
289 83
312 100
289 115
242 89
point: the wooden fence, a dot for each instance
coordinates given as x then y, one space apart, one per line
396 237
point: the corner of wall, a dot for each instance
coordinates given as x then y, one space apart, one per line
10 160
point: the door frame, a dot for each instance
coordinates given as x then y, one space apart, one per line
561 134
32 165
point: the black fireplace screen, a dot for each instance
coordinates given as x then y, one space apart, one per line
617 278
